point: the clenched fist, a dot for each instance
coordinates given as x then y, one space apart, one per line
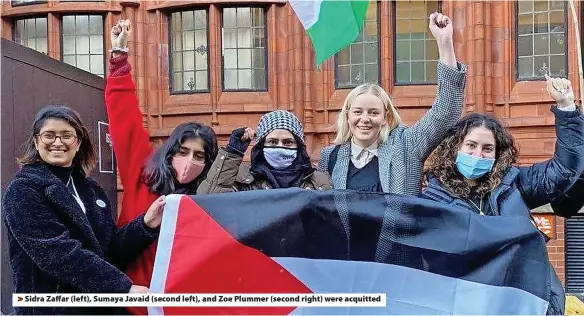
119 35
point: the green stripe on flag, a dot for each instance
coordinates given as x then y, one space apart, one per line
339 24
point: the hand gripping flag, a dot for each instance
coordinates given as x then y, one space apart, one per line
428 258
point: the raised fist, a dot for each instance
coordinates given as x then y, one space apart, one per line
119 34
560 89
441 27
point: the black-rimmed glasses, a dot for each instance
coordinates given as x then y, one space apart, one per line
48 138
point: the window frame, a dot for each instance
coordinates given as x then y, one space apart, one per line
13 32
394 50
516 44
170 57
336 57
266 60
103 18
20 4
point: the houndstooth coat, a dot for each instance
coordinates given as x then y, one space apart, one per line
402 156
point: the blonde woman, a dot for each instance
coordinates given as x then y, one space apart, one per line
373 150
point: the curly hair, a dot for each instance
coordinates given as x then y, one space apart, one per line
442 164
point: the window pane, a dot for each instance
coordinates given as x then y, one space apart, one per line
68 25
402 72
415 46
68 45
244 48
32 33
189 51
343 76
69 60
230 38
541 32
243 17
96 24
258 57
541 44
371 73
418 50
371 52
201 61
354 64
83 62
244 58
188 40
431 69
82 44
244 38
82 25
525 24
525 67
188 21
177 62
230 79
201 80
525 6
96 44
356 53
201 20
177 82
41 27
96 64
418 72
244 79
230 58
188 60
229 17
176 41
557 66
189 80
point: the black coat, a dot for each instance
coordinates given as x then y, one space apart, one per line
570 203
56 248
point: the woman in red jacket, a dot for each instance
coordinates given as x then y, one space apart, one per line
176 167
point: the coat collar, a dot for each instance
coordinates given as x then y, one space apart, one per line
56 191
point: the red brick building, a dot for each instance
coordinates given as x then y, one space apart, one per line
226 62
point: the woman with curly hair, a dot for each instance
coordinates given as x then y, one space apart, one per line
474 168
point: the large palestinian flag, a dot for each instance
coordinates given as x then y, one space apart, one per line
427 257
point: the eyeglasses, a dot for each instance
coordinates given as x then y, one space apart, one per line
48 138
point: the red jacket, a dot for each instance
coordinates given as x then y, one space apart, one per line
131 144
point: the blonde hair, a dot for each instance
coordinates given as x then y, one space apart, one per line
393 120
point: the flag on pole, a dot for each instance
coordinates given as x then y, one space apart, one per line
428 258
331 24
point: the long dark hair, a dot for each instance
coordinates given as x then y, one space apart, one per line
443 160
84 160
158 173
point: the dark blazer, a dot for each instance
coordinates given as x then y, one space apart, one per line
572 202
56 248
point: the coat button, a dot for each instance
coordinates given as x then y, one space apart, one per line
308 188
222 157
320 188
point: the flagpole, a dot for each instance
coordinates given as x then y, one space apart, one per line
578 50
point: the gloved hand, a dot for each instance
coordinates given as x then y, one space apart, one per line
239 140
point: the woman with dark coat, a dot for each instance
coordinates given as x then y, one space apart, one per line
60 225
474 168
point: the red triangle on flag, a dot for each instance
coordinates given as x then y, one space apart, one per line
213 261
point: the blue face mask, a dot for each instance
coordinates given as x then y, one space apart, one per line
472 167
279 157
